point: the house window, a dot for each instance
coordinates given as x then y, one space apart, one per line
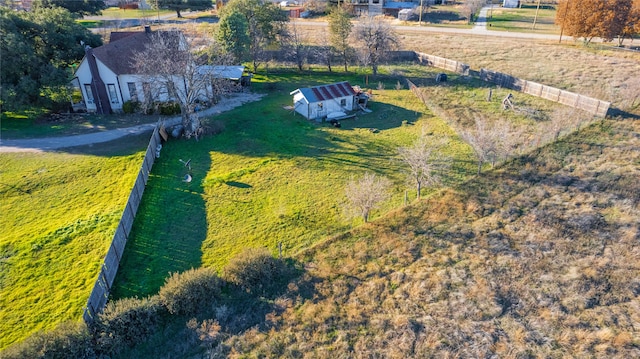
133 92
343 102
87 90
113 95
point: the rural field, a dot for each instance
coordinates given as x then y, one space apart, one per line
61 210
535 257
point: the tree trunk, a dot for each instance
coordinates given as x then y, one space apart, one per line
479 167
179 14
419 188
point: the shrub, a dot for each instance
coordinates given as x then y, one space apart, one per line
130 106
68 340
188 292
169 108
254 270
126 322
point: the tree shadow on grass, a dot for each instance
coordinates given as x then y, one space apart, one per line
171 223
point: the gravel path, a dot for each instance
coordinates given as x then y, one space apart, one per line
54 143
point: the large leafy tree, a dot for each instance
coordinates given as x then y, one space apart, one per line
233 35
631 26
183 5
38 49
78 8
266 23
340 27
376 38
588 19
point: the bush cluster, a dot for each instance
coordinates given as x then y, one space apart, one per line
169 108
130 106
254 270
126 322
190 291
68 340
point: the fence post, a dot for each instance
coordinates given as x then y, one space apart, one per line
104 281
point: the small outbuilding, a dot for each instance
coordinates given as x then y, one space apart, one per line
510 3
316 103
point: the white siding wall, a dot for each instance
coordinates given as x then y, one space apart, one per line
313 111
110 80
83 73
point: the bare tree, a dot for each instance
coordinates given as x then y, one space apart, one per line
425 162
470 8
376 38
366 193
491 143
169 71
562 119
323 52
295 45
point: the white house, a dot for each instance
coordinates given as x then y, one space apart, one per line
315 103
510 3
108 78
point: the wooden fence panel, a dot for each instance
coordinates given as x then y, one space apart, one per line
100 292
442 63
588 104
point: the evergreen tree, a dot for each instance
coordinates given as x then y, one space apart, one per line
77 8
183 5
38 49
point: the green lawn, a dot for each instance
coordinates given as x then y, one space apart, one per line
34 124
59 212
270 177
114 12
521 20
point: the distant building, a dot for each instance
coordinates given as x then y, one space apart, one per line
510 3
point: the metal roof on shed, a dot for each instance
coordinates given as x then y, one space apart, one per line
326 92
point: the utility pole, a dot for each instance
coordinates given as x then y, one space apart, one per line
420 16
535 18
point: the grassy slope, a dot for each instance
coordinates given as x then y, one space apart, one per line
270 177
536 258
59 211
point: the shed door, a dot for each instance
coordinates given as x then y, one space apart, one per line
322 110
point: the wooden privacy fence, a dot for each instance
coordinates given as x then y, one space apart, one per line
589 104
441 62
100 293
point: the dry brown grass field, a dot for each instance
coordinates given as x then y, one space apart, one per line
537 258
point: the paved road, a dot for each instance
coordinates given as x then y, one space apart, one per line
55 143
479 29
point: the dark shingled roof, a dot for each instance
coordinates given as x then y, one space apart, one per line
118 55
119 35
